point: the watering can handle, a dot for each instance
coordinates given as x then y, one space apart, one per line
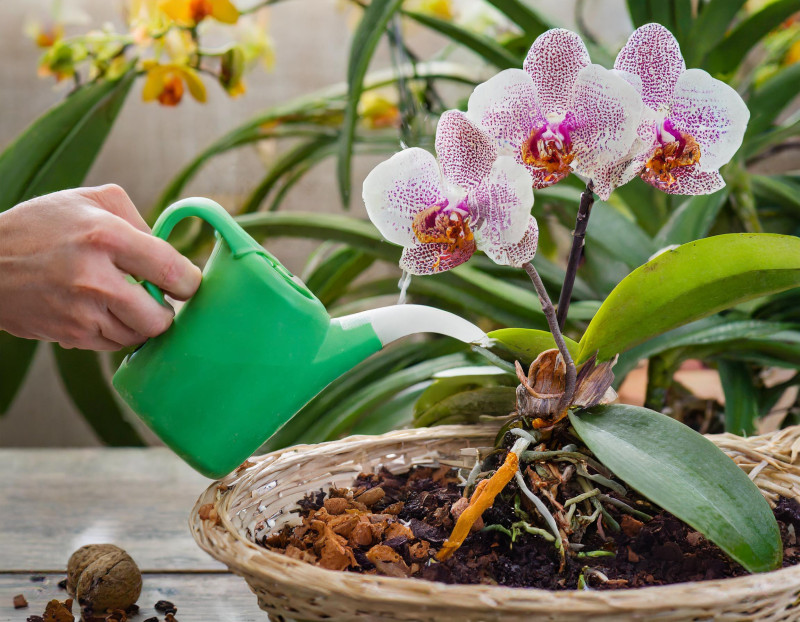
214 214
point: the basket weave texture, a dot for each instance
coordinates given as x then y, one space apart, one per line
290 589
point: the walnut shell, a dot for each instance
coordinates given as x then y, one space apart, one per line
109 581
83 557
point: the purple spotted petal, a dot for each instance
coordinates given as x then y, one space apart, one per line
505 107
653 54
689 180
712 113
398 189
553 62
466 153
500 206
514 254
610 177
607 111
423 259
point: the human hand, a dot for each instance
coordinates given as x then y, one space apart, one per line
64 258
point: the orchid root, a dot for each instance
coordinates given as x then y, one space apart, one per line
481 500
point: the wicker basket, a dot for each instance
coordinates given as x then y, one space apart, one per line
291 589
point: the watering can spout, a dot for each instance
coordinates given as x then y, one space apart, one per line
392 323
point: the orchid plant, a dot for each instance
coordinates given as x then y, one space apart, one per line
528 129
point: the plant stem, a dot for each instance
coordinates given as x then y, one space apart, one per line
550 314
575 253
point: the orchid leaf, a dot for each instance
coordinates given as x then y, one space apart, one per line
730 52
692 220
741 399
329 280
771 97
525 344
709 28
608 226
369 32
91 393
466 405
690 282
524 16
16 356
483 46
687 475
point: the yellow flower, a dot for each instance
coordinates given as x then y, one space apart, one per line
443 9
192 12
166 83
793 54
378 111
255 41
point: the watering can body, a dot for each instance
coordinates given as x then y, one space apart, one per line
249 349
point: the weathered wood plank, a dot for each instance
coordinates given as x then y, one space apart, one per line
199 598
54 501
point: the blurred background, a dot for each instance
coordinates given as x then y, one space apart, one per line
306 48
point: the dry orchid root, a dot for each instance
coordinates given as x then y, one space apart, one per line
481 500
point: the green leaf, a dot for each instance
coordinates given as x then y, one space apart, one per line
284 165
330 279
466 405
608 226
779 190
692 220
709 28
741 399
89 389
370 30
693 281
523 16
639 12
525 344
730 52
771 97
716 331
58 149
16 356
483 46
767 140
686 474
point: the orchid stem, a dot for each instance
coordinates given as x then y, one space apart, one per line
550 314
575 253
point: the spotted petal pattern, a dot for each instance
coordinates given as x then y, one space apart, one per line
465 152
501 204
553 63
424 259
712 113
398 189
653 54
514 254
607 111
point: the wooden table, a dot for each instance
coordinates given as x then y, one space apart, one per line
53 501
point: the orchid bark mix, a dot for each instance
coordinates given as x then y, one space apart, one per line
526 129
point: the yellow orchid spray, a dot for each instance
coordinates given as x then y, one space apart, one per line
164 45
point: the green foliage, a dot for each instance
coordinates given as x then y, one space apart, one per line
525 345
687 475
691 282
55 152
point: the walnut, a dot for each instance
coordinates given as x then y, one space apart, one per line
104 577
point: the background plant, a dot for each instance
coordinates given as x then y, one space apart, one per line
753 48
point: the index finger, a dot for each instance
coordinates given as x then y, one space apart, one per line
152 259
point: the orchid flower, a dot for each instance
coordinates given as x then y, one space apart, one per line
441 212
692 125
561 113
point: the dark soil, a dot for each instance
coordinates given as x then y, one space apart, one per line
398 529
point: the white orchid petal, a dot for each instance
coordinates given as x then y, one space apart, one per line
505 107
466 153
690 180
501 205
423 259
398 189
553 62
653 54
607 111
712 113
514 254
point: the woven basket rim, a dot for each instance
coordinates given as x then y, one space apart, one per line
246 558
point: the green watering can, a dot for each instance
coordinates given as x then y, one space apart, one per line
250 348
